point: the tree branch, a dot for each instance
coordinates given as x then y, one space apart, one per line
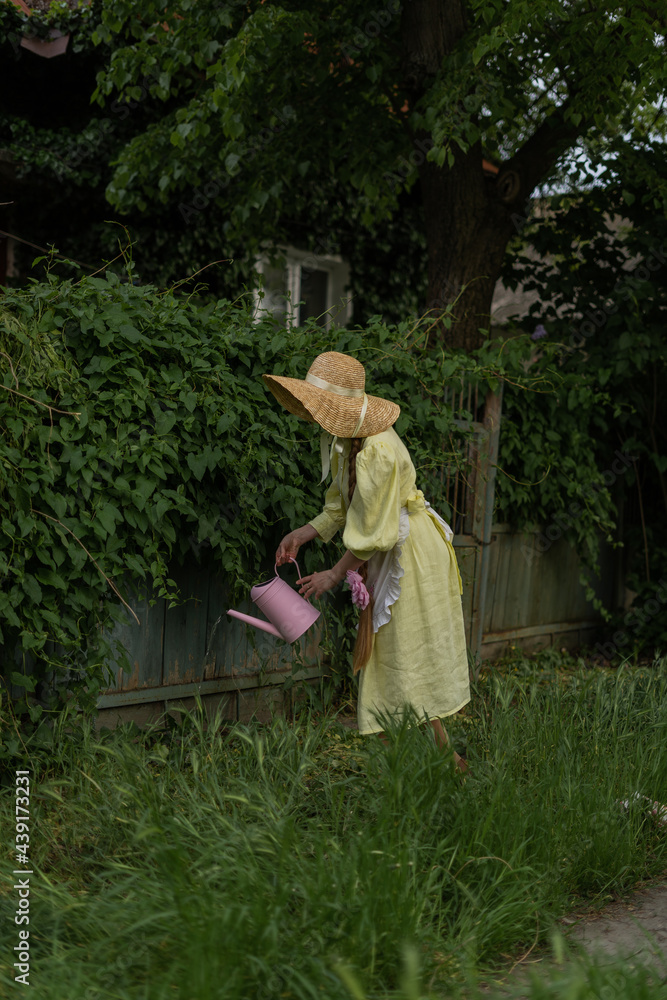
96 565
531 164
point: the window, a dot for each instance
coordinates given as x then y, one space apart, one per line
298 284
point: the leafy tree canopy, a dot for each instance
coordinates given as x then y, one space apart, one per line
271 113
282 98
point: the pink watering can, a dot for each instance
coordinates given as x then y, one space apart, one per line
289 614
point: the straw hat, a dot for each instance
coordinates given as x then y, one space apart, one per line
333 395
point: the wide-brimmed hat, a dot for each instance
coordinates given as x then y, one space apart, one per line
333 395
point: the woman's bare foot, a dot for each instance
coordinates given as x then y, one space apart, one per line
442 740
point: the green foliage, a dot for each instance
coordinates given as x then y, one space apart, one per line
60 14
297 859
136 429
598 261
521 63
221 126
551 466
153 438
261 75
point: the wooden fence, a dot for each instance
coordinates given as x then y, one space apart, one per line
517 591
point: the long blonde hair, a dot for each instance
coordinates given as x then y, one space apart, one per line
363 647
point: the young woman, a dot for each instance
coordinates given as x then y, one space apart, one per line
411 647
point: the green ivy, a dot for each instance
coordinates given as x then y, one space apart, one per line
551 471
135 431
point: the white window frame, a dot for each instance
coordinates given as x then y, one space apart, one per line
338 301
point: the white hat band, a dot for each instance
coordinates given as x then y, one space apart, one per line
330 387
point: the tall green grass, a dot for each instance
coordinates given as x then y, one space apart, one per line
301 860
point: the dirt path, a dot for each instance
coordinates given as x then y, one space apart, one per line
632 932
629 933
634 929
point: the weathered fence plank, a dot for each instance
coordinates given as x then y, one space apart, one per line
144 645
466 554
185 628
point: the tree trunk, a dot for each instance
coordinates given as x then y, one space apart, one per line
470 216
467 230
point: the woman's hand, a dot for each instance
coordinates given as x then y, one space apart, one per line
288 548
316 584
291 543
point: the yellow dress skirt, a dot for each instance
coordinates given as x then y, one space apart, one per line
419 654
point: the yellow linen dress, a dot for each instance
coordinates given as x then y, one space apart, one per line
419 650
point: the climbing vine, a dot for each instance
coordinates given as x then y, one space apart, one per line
135 431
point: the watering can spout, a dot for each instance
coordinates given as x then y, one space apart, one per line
257 622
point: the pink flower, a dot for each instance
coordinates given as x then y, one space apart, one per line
359 593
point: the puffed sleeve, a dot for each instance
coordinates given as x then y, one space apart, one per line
332 518
373 518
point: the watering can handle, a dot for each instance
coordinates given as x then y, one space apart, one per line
292 559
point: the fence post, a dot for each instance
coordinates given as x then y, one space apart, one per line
485 483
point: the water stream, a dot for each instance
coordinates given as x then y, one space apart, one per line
210 643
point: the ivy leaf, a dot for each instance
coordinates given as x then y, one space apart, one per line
26 681
134 563
26 524
164 422
225 421
145 487
8 612
108 516
161 507
32 589
198 464
189 400
22 499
